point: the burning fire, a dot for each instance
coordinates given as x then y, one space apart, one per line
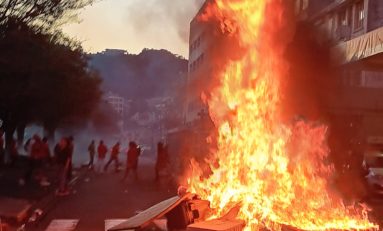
275 170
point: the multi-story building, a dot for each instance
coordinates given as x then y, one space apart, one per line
355 30
201 44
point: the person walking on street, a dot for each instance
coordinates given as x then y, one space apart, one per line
35 159
2 150
45 160
113 157
92 152
101 151
62 156
132 159
162 159
46 151
14 154
70 149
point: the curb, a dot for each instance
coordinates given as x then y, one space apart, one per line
41 208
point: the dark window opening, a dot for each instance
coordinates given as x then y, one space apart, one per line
359 15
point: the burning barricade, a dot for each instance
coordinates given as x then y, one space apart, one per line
188 212
268 172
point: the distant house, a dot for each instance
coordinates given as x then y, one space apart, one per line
114 52
117 102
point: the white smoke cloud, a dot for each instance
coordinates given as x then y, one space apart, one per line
155 15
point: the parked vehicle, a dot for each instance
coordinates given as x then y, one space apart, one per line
373 165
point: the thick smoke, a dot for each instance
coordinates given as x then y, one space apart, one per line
311 87
150 15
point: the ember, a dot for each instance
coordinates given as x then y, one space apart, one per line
276 170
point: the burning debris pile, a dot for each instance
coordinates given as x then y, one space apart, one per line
268 172
275 168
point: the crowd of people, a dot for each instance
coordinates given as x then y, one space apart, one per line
132 155
100 166
39 159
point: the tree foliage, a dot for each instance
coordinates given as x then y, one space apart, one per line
44 78
41 13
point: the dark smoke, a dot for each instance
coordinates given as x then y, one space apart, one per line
311 74
153 15
311 89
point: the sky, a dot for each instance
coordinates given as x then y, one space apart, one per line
135 24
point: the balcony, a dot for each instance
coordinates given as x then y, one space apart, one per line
369 45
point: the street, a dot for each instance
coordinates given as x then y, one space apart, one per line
100 198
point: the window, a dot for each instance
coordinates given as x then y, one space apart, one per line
342 18
330 24
343 30
196 63
301 5
359 15
198 41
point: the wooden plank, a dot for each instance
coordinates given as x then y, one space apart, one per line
109 223
217 225
145 217
62 225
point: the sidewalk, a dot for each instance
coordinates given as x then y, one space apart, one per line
9 184
17 202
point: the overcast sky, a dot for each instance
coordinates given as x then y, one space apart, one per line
135 24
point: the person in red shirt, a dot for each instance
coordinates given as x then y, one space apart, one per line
46 152
14 154
101 154
113 157
92 152
2 150
35 158
162 159
63 159
132 160
45 160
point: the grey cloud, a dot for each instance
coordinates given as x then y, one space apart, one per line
145 15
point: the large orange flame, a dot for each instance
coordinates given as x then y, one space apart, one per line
276 171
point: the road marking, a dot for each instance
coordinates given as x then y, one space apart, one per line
113 222
62 225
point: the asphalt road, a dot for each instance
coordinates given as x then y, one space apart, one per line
98 198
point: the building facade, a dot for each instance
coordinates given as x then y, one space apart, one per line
355 33
355 30
201 45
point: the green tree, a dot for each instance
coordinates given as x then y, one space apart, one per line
42 13
19 63
24 42
44 78
70 90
